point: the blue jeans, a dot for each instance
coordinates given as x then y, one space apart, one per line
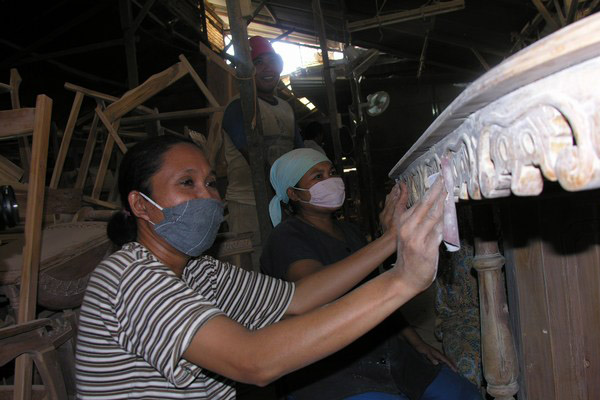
447 385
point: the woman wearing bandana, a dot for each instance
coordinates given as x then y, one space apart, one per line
161 321
391 361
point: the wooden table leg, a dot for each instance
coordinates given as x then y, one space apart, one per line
499 357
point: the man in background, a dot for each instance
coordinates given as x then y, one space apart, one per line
280 135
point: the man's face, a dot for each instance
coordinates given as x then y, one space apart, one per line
268 67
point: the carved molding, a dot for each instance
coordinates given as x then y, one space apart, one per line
547 129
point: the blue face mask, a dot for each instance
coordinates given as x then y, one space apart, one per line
191 227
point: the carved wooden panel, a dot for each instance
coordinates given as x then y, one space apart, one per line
543 123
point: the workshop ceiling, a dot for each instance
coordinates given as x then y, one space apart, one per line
421 41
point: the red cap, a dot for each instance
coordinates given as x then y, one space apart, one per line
259 46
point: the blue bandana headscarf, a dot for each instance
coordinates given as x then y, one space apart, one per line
286 171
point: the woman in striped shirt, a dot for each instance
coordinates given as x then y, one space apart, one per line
160 321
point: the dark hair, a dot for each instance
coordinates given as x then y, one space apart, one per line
138 166
312 130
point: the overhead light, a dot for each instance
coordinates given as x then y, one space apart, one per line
346 170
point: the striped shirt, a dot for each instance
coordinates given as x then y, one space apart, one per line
138 318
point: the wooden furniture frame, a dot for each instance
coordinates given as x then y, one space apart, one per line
40 339
534 116
110 112
18 123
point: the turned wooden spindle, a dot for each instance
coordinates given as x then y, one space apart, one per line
500 365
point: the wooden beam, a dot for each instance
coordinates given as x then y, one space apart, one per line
546 14
50 36
74 50
256 11
16 122
141 15
212 56
129 38
67 68
282 36
102 203
481 59
9 171
102 96
88 152
561 16
251 115
146 90
112 130
66 141
33 237
195 113
571 10
402 16
211 99
329 85
15 83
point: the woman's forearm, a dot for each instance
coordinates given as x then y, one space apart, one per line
262 356
334 280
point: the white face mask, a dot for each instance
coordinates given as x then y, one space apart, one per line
329 193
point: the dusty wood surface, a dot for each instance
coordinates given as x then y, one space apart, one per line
497 148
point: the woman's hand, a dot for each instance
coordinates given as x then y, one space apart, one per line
434 355
419 231
386 216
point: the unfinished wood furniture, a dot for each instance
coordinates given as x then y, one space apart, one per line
40 339
69 254
534 116
18 123
111 113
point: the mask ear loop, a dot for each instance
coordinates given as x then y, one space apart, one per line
305 190
151 201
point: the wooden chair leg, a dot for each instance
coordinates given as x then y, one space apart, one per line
48 366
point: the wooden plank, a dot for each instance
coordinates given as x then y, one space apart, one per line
15 83
525 265
588 261
66 141
103 167
33 235
211 56
87 154
10 171
211 99
562 287
102 96
102 203
16 122
146 90
195 113
546 14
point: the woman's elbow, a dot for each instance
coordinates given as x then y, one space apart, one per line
258 374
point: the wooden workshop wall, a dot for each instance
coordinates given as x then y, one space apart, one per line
553 278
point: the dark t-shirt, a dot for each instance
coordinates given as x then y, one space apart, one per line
380 360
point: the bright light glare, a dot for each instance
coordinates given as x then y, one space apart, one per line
346 170
295 56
